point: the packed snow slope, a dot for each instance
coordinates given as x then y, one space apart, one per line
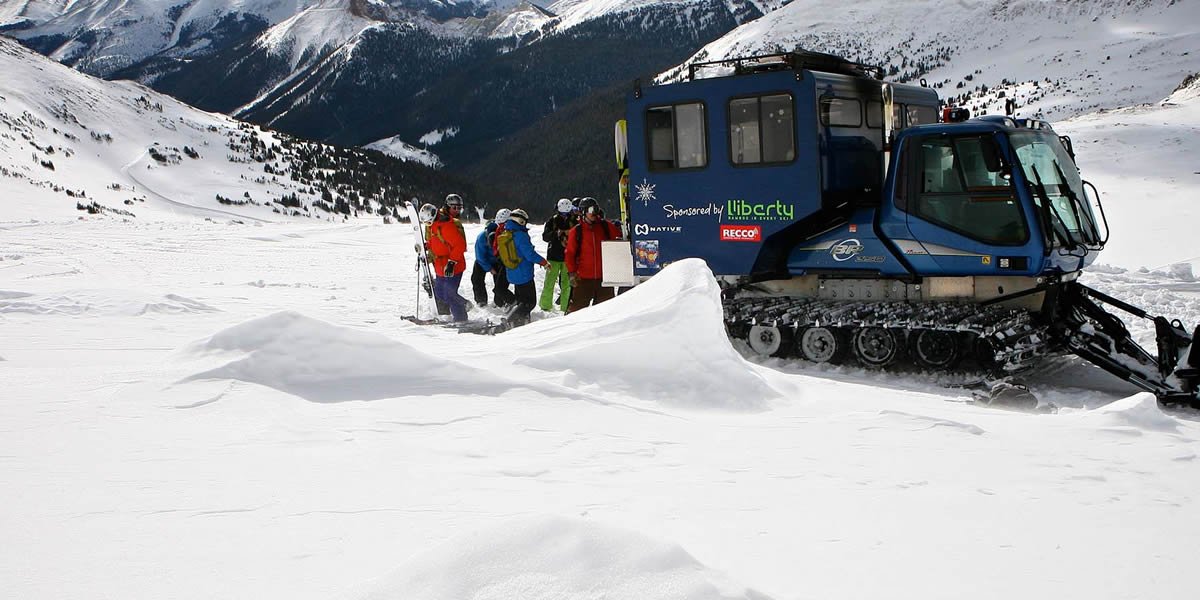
1059 59
70 141
1143 160
198 409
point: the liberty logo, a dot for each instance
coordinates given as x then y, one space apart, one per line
740 210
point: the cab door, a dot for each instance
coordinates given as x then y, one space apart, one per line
963 210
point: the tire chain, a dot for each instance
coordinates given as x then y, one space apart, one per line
1015 335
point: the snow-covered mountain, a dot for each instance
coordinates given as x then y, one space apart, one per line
1057 58
70 142
357 71
287 63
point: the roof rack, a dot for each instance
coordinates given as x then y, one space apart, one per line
796 60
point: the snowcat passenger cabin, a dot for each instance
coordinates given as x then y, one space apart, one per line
737 169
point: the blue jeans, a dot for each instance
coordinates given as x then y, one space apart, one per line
446 290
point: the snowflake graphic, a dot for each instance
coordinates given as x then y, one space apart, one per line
645 192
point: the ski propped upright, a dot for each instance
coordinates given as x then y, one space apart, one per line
423 271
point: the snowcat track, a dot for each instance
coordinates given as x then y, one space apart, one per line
1002 340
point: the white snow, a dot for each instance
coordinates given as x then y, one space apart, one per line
100 138
396 147
1143 161
309 35
1085 55
544 558
275 429
201 408
438 136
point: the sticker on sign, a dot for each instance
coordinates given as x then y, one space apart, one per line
741 233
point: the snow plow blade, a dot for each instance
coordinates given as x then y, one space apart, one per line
1096 335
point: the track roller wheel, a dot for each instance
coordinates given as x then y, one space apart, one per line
823 345
877 347
985 355
933 349
769 340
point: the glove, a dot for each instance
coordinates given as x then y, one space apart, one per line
543 264
574 280
449 270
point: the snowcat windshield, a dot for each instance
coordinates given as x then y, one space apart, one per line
1049 168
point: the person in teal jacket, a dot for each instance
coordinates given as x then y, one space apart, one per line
521 276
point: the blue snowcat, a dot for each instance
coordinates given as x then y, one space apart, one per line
846 216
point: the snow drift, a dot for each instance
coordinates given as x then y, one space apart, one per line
553 558
99 303
664 339
321 362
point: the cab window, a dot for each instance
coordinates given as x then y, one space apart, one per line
676 137
841 112
963 188
762 130
920 115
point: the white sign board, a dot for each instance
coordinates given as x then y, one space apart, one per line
617 259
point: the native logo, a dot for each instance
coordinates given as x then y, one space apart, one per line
846 250
741 233
644 229
645 192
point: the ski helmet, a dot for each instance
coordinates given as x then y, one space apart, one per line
520 216
565 206
427 213
502 215
589 206
454 200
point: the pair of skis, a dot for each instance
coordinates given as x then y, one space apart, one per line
423 271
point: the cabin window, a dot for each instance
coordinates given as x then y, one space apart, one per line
676 137
841 112
762 130
875 116
962 188
920 115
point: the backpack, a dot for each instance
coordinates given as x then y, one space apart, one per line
506 250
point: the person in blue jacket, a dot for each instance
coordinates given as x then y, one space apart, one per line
486 262
522 276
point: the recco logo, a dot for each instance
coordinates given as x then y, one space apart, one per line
741 233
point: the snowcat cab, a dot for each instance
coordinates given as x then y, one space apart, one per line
843 219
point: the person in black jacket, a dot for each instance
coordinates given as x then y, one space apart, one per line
555 236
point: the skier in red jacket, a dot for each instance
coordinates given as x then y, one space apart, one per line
583 256
448 244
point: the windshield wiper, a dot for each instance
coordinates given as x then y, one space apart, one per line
1063 235
1092 233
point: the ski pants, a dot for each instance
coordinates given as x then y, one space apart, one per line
501 292
446 290
588 292
557 271
526 299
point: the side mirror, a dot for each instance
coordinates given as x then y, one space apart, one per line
991 155
1066 142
